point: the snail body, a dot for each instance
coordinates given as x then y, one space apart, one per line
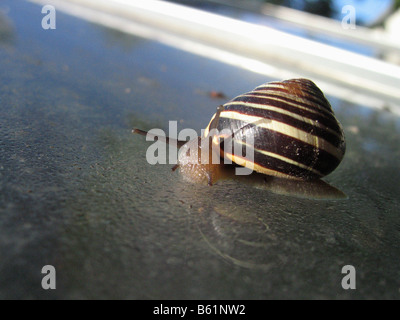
293 131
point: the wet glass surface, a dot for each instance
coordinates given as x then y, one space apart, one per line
76 191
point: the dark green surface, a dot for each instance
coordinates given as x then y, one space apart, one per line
77 193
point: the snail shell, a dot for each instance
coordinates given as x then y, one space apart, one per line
295 132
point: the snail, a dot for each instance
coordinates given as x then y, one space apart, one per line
293 131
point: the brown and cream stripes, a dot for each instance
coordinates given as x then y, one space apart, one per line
294 129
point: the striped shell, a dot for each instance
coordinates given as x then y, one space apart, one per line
295 132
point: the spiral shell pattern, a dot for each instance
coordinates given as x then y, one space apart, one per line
294 130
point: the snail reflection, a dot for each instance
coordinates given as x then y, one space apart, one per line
291 130
306 189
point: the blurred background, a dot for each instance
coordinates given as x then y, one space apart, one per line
369 13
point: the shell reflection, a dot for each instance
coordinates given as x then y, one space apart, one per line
313 190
